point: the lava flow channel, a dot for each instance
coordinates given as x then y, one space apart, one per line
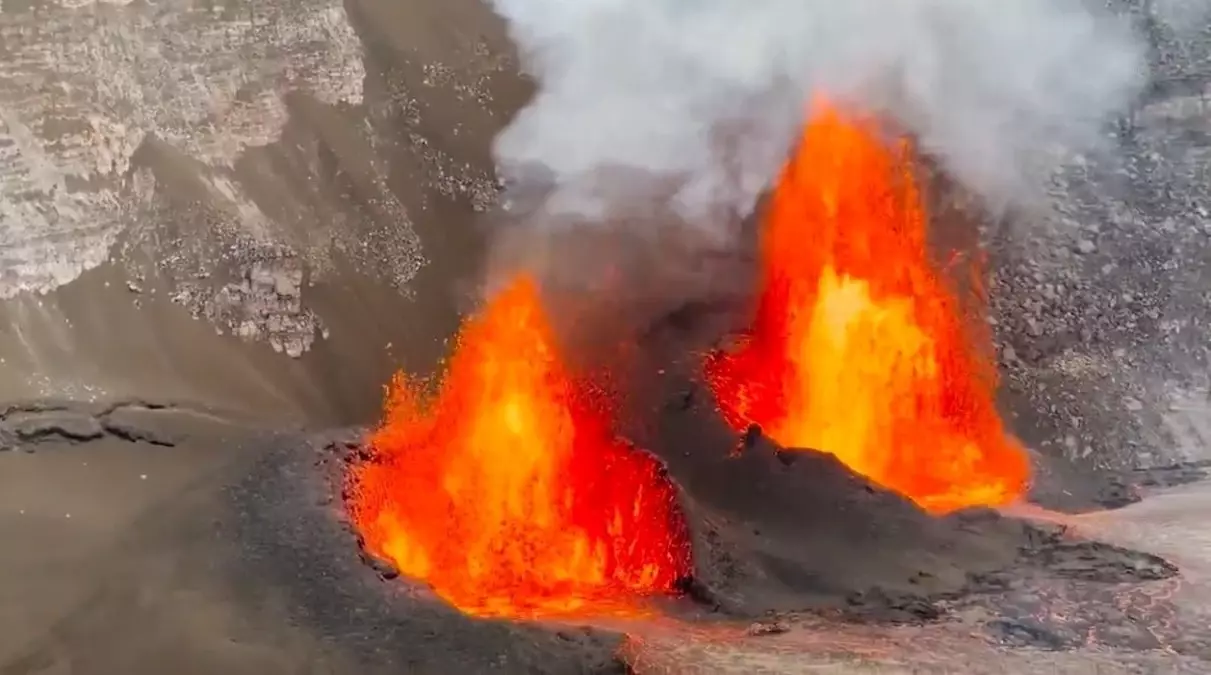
507 494
858 347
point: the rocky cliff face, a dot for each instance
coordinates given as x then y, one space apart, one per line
227 203
271 208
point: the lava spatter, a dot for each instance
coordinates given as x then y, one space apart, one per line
506 492
858 347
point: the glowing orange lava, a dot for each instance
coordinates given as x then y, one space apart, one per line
858 347
508 494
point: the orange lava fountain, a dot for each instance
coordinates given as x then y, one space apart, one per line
858 347
507 494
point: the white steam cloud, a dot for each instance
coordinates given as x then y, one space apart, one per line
704 97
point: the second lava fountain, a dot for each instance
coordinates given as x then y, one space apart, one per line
859 348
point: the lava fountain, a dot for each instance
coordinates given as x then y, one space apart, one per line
858 347
506 492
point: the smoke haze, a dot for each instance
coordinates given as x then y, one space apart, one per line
706 96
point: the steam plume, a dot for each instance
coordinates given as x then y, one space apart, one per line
706 95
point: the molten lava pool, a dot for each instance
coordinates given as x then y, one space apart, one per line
858 347
507 493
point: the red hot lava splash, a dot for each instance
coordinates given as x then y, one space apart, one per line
858 347
507 494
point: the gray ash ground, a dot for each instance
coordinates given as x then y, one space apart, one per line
30 426
289 524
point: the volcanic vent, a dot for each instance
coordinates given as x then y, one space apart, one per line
508 494
859 348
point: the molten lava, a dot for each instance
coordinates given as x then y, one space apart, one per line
858 347
507 494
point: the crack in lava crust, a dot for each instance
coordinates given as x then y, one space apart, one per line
508 494
858 347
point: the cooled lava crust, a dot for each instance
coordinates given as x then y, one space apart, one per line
775 533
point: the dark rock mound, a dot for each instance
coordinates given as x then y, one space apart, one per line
779 530
293 536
